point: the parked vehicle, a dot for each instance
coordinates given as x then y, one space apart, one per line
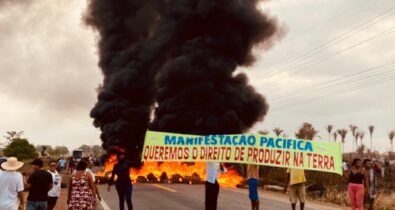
78 154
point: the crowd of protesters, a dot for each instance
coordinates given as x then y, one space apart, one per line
44 186
362 179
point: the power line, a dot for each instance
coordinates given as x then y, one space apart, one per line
343 86
361 86
339 52
326 57
345 13
336 81
334 41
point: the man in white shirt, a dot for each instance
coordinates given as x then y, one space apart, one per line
212 186
11 185
54 193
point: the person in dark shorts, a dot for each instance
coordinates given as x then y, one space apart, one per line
253 183
39 183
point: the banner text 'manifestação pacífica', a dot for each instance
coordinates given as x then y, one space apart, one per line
244 148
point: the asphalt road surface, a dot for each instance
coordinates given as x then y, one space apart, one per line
184 196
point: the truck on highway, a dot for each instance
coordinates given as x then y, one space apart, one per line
78 154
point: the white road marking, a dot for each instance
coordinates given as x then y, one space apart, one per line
165 188
104 204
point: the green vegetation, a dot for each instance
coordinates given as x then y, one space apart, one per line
21 149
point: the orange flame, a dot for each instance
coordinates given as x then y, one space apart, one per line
230 179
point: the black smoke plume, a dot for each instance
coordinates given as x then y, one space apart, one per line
123 107
181 54
199 91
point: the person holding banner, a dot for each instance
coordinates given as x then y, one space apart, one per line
296 180
253 183
212 186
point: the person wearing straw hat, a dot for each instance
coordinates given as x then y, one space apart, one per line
11 185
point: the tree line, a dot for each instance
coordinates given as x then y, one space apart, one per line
358 135
15 145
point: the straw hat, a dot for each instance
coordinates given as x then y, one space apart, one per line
11 164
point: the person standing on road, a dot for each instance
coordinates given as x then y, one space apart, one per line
357 179
39 183
62 164
81 193
90 172
253 183
71 165
372 171
11 185
54 193
296 180
123 184
211 184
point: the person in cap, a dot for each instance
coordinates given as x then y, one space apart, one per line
11 185
39 183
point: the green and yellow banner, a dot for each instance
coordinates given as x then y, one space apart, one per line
244 148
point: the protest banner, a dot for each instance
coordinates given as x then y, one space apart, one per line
244 148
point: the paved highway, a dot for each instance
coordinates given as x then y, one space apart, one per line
184 196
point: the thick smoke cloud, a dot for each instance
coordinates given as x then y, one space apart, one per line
182 55
198 91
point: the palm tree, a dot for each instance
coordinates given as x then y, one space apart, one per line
342 133
329 129
277 131
391 136
335 136
264 132
361 135
356 140
371 129
361 149
353 129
